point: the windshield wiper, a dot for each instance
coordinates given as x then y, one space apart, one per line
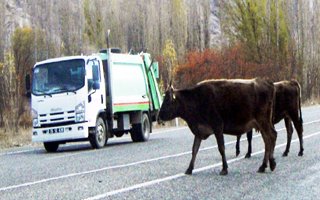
73 91
67 90
39 92
50 95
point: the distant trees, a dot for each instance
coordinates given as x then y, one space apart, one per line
23 41
260 27
27 45
9 99
169 64
13 70
94 31
305 24
198 24
281 34
2 33
269 38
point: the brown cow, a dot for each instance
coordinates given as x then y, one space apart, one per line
224 106
287 107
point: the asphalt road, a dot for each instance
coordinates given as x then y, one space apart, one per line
155 169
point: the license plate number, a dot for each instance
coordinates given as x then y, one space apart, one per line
56 130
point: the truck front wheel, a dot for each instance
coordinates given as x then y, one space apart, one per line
141 132
51 146
99 138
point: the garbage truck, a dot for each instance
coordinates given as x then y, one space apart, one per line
93 98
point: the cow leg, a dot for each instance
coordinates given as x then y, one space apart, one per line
299 128
264 165
238 145
269 136
195 149
220 141
249 138
273 145
289 135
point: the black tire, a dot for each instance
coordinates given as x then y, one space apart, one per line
51 146
141 132
99 138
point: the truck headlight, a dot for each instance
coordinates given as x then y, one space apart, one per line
80 112
35 120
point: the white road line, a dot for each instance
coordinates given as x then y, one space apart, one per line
169 178
17 152
123 165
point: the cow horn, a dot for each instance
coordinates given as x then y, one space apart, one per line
170 85
173 96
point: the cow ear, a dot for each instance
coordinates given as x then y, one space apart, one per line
170 83
169 86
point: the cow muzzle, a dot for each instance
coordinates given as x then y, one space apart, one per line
160 121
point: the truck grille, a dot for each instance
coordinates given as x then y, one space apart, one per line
57 118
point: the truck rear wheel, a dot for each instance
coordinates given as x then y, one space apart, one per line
51 146
99 138
141 132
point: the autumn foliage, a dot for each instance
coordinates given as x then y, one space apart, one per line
227 63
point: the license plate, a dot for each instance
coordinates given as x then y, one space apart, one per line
56 130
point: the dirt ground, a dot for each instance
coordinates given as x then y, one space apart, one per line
9 139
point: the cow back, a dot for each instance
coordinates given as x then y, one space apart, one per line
237 103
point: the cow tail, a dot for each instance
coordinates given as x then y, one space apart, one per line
299 101
301 120
273 111
274 104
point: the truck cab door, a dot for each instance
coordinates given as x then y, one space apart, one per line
96 88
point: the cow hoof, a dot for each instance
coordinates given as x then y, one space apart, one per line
237 153
188 172
262 168
248 155
224 172
285 154
273 164
300 153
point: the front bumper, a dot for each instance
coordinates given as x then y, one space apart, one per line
61 133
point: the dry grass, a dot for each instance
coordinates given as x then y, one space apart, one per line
10 139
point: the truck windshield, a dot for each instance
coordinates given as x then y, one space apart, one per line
58 77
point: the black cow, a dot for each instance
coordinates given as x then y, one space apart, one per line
224 106
287 107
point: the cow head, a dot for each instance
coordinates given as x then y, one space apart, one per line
169 107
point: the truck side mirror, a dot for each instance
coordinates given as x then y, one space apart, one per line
28 85
96 85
